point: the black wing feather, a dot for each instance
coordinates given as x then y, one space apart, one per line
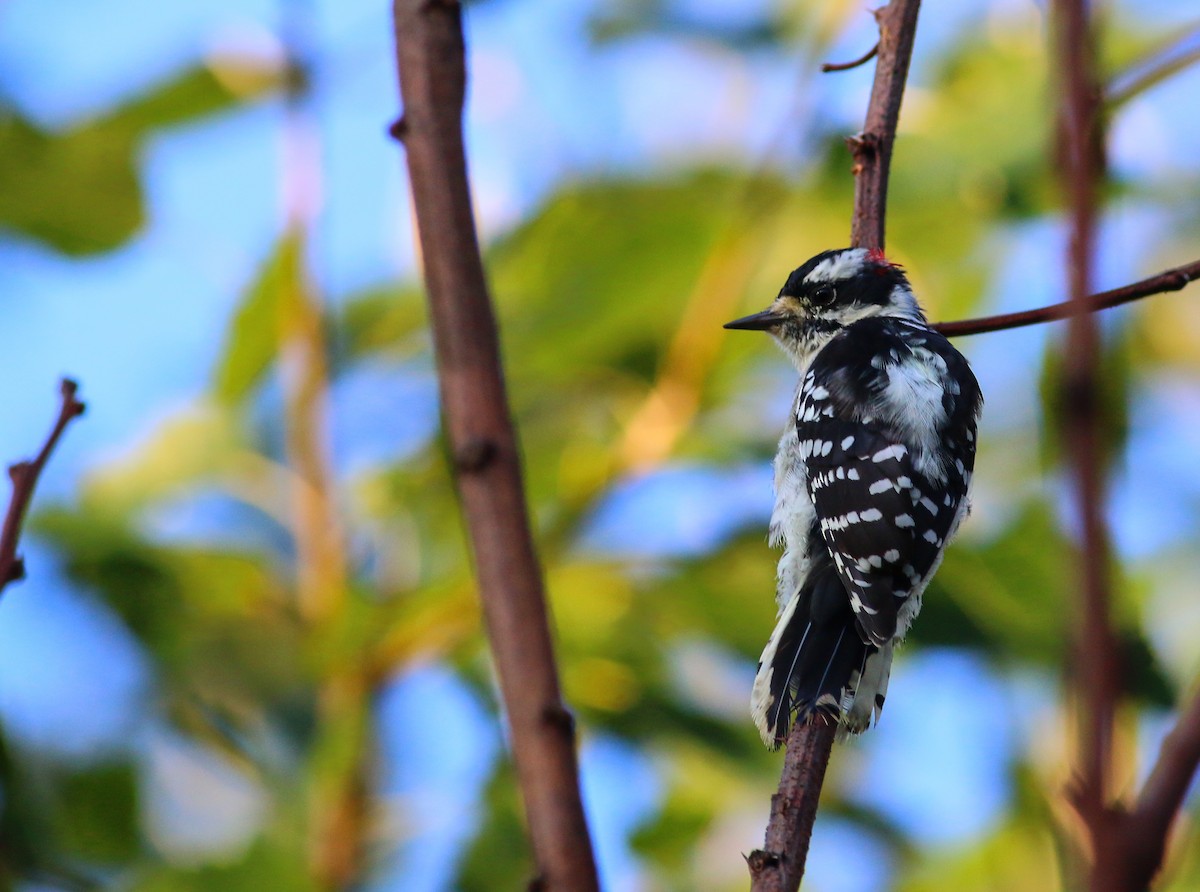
884 522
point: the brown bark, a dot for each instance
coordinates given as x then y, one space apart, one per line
24 476
1147 828
779 865
872 149
1095 664
1174 279
483 445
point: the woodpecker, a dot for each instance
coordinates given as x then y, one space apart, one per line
872 479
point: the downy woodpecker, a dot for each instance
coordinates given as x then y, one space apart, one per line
871 482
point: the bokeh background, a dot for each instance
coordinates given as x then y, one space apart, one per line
248 652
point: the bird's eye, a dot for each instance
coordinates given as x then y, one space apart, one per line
824 296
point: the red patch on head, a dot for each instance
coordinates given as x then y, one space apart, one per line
877 257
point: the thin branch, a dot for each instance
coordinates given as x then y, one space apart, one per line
779 865
483 445
24 476
1174 279
872 149
1164 69
1149 824
1164 61
847 66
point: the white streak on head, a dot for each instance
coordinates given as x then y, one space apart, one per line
844 265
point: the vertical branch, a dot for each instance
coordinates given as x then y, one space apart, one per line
1127 845
779 865
872 149
429 54
1095 662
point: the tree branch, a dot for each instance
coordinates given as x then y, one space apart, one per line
847 66
24 476
1149 823
1174 279
1166 60
1127 848
872 149
1095 670
779 866
429 53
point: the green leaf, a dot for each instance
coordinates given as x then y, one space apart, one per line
252 342
599 277
498 857
278 864
197 92
54 817
638 19
1114 381
98 814
383 319
1013 597
1012 594
78 191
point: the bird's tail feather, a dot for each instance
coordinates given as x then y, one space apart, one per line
867 691
815 663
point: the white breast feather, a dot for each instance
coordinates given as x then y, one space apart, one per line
793 514
912 402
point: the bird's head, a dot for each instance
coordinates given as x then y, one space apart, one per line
827 293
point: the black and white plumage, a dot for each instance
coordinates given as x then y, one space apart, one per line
871 481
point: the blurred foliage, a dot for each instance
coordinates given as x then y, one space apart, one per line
77 190
254 335
610 296
1112 398
629 19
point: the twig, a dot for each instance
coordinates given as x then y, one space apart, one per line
1174 279
1153 76
24 476
1162 795
847 66
779 866
1163 62
429 53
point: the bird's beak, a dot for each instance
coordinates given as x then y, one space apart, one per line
764 321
